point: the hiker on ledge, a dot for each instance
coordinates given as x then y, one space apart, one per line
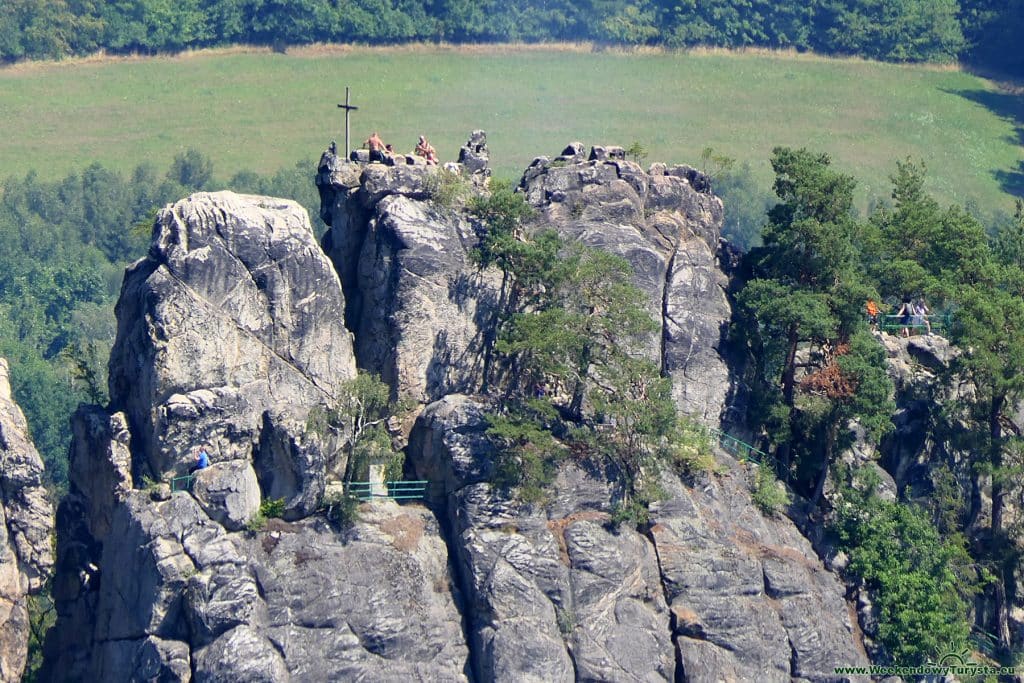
426 150
202 460
872 309
376 147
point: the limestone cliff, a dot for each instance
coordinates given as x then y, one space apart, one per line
26 525
233 327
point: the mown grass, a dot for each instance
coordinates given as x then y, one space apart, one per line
262 111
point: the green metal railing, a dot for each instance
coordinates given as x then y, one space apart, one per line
939 323
396 490
742 450
182 483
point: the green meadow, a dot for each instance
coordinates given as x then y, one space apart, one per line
261 111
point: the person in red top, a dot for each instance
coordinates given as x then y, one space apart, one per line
872 309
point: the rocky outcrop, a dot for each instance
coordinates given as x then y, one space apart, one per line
713 591
750 599
183 598
229 331
26 524
232 329
422 311
417 304
665 223
234 311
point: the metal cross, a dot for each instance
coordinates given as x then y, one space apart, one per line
348 108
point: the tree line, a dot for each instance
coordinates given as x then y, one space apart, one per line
976 31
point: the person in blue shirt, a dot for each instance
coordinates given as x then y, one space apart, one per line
202 459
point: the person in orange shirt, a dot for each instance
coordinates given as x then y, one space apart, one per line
872 309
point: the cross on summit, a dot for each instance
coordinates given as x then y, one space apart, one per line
348 108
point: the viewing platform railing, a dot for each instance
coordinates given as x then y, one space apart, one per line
388 490
939 323
183 483
742 450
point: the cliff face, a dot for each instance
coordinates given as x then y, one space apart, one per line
234 311
712 590
26 525
232 329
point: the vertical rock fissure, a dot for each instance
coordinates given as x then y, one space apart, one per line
665 289
461 590
680 672
571 610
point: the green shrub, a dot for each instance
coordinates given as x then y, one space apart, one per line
632 513
566 619
42 615
258 522
688 448
341 510
446 188
922 584
528 454
768 493
637 151
272 508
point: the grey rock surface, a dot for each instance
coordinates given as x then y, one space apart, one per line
668 229
416 302
552 595
99 466
750 598
293 464
291 602
234 310
228 492
150 659
715 590
26 522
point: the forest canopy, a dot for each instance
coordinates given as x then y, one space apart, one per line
981 32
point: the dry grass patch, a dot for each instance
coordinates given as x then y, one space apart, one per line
405 531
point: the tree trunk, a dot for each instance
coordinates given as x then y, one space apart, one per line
579 391
831 434
789 367
782 454
492 333
996 458
1002 611
996 528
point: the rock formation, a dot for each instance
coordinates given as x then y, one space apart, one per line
668 228
234 311
713 590
233 328
418 307
26 524
421 311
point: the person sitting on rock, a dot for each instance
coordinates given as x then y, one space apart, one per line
426 150
202 460
376 147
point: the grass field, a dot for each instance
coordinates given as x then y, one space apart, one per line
261 111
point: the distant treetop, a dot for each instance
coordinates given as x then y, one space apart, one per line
981 31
